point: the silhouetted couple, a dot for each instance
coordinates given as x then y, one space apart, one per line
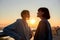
19 30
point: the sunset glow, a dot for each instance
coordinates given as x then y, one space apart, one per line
32 21
10 11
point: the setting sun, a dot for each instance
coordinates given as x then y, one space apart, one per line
32 21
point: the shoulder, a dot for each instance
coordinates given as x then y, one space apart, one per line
43 23
19 20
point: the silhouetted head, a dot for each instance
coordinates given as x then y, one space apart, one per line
43 12
25 14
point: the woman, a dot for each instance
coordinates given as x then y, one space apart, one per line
19 30
43 31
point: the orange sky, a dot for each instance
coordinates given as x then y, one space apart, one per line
34 25
10 10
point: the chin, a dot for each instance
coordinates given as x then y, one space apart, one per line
37 16
27 19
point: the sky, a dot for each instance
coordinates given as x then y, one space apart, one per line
10 10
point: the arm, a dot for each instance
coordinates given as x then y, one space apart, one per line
30 33
10 31
12 34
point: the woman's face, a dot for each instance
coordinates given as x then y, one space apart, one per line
27 16
40 13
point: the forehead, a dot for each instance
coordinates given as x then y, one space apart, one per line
40 11
27 13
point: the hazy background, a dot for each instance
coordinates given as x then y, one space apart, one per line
10 10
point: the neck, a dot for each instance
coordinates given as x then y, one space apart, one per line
23 19
43 18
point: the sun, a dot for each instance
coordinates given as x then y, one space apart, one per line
32 21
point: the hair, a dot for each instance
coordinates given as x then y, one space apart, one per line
46 12
24 12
